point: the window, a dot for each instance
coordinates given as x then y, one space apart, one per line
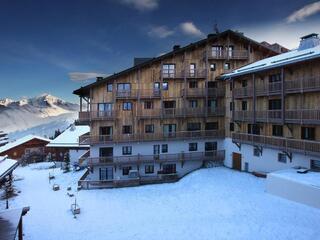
103 174
193 126
169 168
169 104
282 157
156 149
124 87
244 83
193 147
277 130
165 86
106 152
256 151
212 67
275 104
230 51
104 109
127 106
164 148
253 129
308 133
244 105
127 129
105 131
211 126
231 86
212 84
193 84
217 51
226 66
212 103
168 70
231 106
149 128
231 127
275 78
109 87
210 146
156 86
169 129
148 105
148 169
193 103
126 150
126 170
192 70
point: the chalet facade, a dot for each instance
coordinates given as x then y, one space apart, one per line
30 148
164 117
274 111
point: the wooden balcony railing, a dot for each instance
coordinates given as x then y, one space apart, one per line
231 54
304 84
201 92
218 155
197 73
150 93
180 112
133 93
283 144
301 116
93 139
97 115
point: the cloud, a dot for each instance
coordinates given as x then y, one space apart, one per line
190 29
142 5
84 76
303 13
160 32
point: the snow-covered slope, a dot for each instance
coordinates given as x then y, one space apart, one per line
39 115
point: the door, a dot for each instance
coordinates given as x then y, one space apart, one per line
105 134
156 88
210 148
236 161
169 130
156 151
104 109
315 165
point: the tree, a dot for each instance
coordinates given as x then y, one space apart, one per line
67 162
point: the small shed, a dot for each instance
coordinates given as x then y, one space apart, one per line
6 167
68 142
25 147
11 223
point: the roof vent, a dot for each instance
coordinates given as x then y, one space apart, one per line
176 47
309 41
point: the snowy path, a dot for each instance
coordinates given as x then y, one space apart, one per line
213 203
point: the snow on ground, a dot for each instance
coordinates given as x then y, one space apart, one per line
215 203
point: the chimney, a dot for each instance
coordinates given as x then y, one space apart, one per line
176 47
309 41
99 79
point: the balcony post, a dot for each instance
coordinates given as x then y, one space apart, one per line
254 97
80 103
232 99
206 83
282 96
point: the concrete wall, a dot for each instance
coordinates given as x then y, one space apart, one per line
267 162
292 190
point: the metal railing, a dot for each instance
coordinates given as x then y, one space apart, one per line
141 137
217 155
281 143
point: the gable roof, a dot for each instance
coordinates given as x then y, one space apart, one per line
283 59
84 91
20 141
70 137
6 166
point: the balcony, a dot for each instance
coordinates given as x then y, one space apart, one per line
232 54
150 93
182 135
97 115
201 92
180 112
303 116
280 143
217 156
200 73
300 85
127 94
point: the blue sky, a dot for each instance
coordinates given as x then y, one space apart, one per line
45 43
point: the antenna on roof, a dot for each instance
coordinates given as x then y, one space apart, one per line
215 28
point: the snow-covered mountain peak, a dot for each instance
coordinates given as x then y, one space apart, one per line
5 101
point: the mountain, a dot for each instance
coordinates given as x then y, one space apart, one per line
39 115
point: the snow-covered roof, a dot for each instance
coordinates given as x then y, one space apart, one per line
70 137
20 141
6 165
290 57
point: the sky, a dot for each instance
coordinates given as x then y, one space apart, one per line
57 46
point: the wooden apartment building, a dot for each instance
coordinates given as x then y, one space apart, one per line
164 117
274 108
